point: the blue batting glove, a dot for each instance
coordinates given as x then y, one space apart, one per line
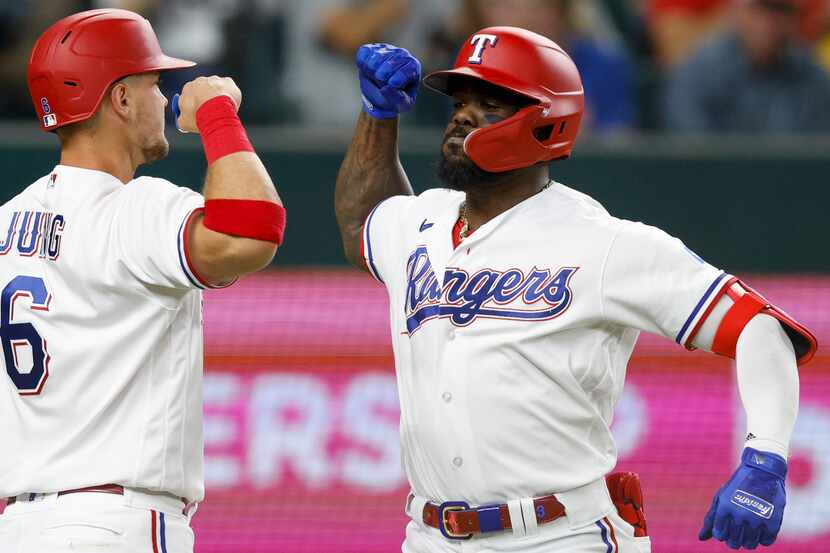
389 78
749 508
174 105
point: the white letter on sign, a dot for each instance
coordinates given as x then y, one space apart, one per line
289 424
480 43
221 392
376 466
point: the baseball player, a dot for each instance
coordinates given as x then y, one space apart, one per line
515 304
100 294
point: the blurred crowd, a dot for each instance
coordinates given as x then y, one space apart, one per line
685 66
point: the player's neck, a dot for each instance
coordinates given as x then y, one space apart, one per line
483 204
88 152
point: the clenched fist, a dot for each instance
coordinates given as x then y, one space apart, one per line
197 92
389 77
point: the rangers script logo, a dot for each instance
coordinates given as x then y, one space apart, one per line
538 295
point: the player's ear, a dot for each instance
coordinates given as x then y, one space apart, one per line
120 98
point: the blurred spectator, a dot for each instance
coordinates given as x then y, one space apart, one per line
813 19
321 73
821 23
754 77
256 55
824 49
577 26
243 39
21 22
679 26
324 36
344 28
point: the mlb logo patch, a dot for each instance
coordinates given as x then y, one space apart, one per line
50 120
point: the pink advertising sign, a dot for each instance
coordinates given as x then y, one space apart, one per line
301 414
301 422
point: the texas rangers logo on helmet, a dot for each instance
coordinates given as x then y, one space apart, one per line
480 42
513 294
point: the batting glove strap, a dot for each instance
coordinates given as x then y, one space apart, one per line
767 462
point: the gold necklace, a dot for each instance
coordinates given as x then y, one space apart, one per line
465 224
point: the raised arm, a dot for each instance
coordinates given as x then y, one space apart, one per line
243 220
372 171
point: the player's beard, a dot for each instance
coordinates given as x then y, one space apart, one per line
460 173
149 124
155 149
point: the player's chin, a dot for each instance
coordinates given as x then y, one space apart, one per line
156 150
458 172
454 154
453 148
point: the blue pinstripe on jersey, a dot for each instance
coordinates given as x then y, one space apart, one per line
604 533
180 248
163 533
369 257
698 307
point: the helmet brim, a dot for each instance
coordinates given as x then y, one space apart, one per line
439 81
168 63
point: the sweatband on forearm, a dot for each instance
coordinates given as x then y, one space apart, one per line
220 128
257 219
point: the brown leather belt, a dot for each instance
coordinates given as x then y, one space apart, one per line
458 521
114 489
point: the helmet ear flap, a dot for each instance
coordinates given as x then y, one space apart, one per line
508 144
561 130
530 136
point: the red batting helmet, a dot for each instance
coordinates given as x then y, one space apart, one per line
75 61
533 66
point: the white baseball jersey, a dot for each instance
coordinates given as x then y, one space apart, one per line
101 330
511 349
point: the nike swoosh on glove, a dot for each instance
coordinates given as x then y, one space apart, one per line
749 508
389 78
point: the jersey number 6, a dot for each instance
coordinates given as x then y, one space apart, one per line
29 381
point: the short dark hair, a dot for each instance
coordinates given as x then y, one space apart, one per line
66 133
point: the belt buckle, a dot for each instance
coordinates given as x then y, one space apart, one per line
443 509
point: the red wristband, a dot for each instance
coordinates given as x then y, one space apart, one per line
255 219
220 128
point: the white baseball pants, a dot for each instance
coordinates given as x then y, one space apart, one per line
135 522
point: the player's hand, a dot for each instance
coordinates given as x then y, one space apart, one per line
749 508
197 92
389 79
